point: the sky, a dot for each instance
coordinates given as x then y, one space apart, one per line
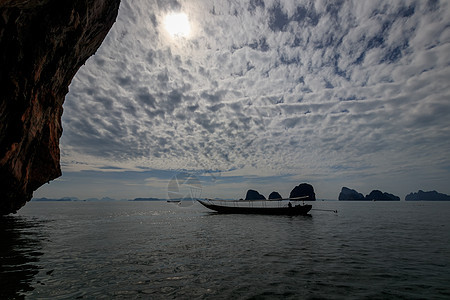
261 95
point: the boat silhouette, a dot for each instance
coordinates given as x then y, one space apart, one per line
287 206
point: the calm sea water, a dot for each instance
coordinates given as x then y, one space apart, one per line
156 250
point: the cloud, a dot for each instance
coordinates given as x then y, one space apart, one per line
288 87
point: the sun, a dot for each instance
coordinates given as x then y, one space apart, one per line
177 24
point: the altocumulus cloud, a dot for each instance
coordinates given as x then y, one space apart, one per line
345 92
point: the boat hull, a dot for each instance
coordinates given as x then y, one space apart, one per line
291 211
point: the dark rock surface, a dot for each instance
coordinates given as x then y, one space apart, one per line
427 196
254 195
350 195
274 195
304 189
380 196
43 43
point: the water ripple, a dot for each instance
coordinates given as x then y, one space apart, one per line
155 250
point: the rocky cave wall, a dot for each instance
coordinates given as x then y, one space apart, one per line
43 43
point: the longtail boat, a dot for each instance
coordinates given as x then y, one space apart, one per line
287 206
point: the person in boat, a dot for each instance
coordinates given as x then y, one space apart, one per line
289 205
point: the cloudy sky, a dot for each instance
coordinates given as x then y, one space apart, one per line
262 94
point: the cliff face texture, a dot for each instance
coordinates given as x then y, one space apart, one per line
42 45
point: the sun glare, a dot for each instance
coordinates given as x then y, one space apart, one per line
177 24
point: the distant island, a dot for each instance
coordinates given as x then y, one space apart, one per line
147 199
68 199
64 199
347 194
302 190
275 195
254 195
427 196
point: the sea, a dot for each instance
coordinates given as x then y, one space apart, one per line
160 250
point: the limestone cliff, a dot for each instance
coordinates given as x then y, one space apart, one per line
303 189
377 195
347 194
254 195
275 196
427 196
42 45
